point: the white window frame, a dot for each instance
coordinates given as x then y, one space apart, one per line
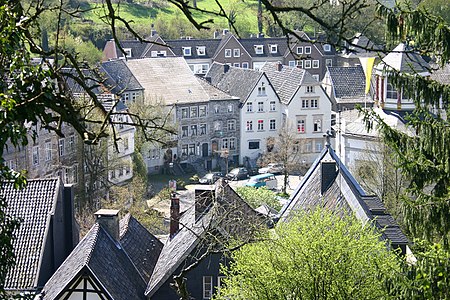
259 49
207 287
228 53
329 62
201 50
237 52
237 65
307 49
245 65
272 124
61 147
249 106
314 103
48 151
187 51
273 106
249 126
301 125
292 63
315 64
231 125
327 47
299 50
317 124
310 89
35 155
307 64
185 113
260 125
260 106
273 48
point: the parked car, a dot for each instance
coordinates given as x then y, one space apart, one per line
237 174
211 178
274 168
268 180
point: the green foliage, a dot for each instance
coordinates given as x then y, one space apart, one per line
314 256
257 197
426 278
194 178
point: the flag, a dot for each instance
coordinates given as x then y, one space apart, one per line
367 65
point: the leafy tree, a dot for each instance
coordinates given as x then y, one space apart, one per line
257 197
316 255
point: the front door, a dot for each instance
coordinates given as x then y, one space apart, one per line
205 150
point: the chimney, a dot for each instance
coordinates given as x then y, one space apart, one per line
328 172
109 220
174 215
152 30
279 66
260 35
226 68
203 199
216 34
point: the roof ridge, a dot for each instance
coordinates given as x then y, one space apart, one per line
96 227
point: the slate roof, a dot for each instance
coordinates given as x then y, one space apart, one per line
250 43
178 249
142 247
347 82
287 81
209 44
404 59
442 75
213 92
167 78
236 81
116 265
118 77
34 206
344 195
366 47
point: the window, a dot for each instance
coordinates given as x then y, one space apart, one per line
308 147
217 126
201 50
245 65
299 50
202 111
253 145
273 48
36 155
187 51
310 89
232 144
120 172
317 124
236 52
307 64
184 131
272 124
225 143
191 149
125 143
307 49
75 174
202 129
227 52
62 147
127 52
193 130
194 111
216 109
314 103
262 91
315 64
319 146
112 174
207 287
230 108
300 64
260 106
292 63
260 124
301 125
72 143
249 125
327 47
272 105
184 113
231 125
391 92
259 49
237 65
249 107
305 103
184 150
316 77
127 170
48 150
329 62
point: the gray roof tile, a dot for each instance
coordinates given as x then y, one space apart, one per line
34 206
118 77
348 82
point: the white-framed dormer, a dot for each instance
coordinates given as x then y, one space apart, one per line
259 49
273 48
187 51
201 50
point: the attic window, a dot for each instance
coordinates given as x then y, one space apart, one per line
187 51
201 50
259 49
273 48
308 50
327 47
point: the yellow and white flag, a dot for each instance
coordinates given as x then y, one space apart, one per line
367 65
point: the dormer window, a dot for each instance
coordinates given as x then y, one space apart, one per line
187 51
127 52
259 49
327 47
299 50
201 50
273 48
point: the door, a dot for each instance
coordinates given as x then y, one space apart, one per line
205 150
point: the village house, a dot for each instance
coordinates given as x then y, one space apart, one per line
259 107
206 120
47 234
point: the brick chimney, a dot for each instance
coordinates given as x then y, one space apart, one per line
174 215
226 68
279 66
109 220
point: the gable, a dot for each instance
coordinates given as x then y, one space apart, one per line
230 43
